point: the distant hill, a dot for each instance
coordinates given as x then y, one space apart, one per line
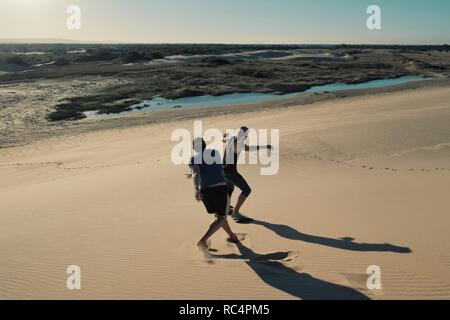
46 41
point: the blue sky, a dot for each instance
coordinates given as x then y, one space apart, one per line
230 21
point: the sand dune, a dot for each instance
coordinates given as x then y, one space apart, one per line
363 181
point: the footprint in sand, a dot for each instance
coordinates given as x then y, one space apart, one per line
211 253
359 281
241 236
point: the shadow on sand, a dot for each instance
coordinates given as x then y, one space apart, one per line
343 243
281 277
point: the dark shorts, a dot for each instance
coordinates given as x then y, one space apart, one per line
215 200
235 179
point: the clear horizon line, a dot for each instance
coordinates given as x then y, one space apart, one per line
70 41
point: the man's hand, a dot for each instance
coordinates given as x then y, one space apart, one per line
198 196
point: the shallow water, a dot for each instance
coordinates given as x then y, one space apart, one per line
77 51
159 103
333 87
33 53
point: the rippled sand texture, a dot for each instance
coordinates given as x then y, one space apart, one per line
363 181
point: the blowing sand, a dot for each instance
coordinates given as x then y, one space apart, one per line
363 181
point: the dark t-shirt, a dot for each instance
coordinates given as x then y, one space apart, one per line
230 158
211 173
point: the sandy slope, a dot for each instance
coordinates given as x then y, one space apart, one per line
375 169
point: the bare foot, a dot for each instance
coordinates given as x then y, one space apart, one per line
204 248
238 238
233 239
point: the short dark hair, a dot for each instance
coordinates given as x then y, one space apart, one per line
244 129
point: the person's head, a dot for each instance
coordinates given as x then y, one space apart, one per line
243 132
199 145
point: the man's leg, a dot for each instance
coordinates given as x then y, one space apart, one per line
225 226
232 236
240 203
240 182
230 186
213 228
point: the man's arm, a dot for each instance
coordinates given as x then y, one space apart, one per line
197 181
